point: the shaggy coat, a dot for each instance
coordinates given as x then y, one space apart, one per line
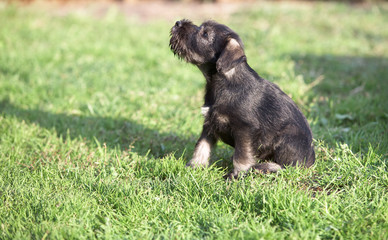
247 112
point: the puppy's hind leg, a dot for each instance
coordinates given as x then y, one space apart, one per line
243 158
267 167
296 150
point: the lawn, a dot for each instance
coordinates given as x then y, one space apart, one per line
98 118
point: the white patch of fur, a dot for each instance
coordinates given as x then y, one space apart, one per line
201 154
242 167
229 74
233 43
205 111
268 167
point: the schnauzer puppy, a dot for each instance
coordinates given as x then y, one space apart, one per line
242 109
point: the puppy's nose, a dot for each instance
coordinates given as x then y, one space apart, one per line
178 24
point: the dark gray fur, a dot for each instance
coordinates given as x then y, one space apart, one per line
242 109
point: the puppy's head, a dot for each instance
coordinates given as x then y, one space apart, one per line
210 42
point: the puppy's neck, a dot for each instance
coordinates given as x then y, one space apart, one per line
208 70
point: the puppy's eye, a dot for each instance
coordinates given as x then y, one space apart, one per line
204 34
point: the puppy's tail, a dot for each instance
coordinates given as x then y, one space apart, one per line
267 167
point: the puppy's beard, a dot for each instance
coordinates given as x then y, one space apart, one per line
177 47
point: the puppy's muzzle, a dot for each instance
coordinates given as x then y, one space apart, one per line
177 25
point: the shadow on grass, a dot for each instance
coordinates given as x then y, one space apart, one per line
114 132
350 97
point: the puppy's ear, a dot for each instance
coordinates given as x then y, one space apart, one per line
231 55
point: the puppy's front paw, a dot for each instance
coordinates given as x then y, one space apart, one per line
201 154
194 163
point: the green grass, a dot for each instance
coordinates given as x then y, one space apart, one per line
97 121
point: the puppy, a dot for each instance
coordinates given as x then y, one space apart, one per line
247 112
